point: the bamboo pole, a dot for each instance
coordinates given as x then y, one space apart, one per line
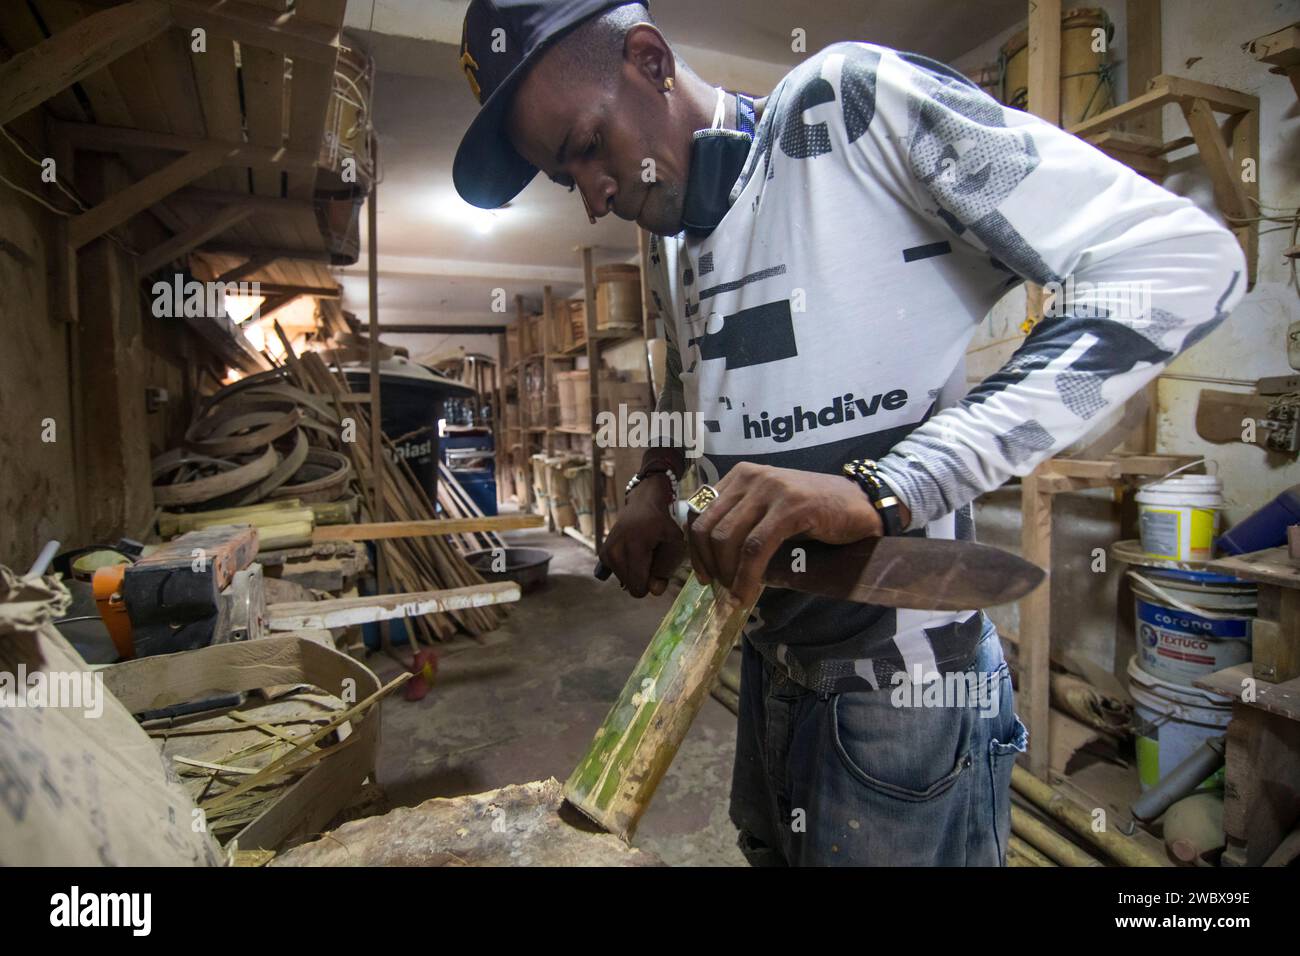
615 780
1020 853
1042 837
1056 805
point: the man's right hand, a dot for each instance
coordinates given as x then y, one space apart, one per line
645 546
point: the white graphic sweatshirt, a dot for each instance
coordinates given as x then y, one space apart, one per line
885 206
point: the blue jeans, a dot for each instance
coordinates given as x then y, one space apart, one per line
909 775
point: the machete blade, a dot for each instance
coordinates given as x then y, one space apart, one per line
929 574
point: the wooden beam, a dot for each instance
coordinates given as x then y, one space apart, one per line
274 304
1142 59
116 139
38 73
256 26
1219 98
1036 622
139 196
251 265
271 205
264 252
382 531
1045 59
1224 174
593 366
184 242
284 288
425 329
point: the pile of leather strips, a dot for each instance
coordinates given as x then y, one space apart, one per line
256 440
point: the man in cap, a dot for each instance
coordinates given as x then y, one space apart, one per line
821 259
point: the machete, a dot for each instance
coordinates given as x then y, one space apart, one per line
929 574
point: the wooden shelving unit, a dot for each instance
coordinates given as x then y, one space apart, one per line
1038 490
1226 149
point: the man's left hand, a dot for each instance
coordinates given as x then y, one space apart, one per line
758 507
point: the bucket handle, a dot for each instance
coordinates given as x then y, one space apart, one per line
1169 599
1190 464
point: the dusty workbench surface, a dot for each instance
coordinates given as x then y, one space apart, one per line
518 825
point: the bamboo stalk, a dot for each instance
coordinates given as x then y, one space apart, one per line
1020 853
1039 835
283 765
1056 805
615 780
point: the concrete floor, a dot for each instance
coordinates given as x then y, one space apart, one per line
524 703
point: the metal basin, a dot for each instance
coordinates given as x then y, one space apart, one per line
527 567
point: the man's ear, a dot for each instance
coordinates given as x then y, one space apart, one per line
648 53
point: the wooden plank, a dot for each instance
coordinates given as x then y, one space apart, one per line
1282 698
269 252
216 78
138 197
181 243
1272 566
263 72
310 93
113 139
1220 98
593 364
1228 191
383 531
254 27
1044 100
1280 48
20 30
38 73
347 612
1036 625
1142 61
106 100
1045 60
1152 99
1245 146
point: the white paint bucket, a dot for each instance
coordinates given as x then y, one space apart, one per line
1189 624
1171 723
1180 517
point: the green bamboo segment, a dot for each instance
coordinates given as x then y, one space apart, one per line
633 748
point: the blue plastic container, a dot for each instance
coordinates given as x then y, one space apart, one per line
1266 528
480 484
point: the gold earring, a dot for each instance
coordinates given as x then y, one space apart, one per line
668 84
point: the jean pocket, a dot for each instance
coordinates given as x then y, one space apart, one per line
904 753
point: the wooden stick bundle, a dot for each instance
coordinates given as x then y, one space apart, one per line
417 563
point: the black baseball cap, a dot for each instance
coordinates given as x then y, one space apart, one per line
500 41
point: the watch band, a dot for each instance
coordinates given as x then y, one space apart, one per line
864 472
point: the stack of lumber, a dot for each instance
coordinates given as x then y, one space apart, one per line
456 502
412 563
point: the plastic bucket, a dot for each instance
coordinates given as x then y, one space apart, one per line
1171 723
1191 625
1179 517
